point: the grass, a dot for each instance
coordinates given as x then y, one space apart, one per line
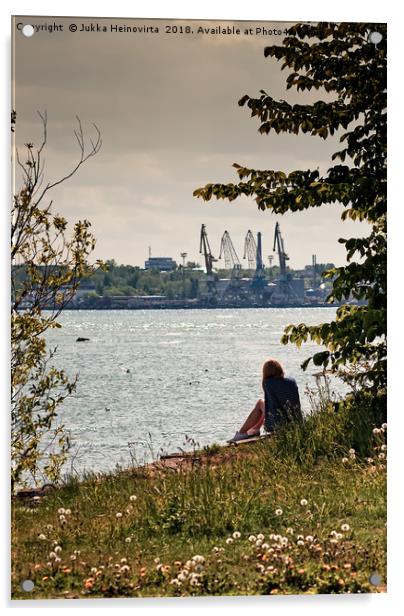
297 513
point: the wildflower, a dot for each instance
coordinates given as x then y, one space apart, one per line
258 543
261 537
133 497
376 430
175 582
289 531
352 452
215 549
278 511
124 560
309 538
157 560
334 540
229 540
338 536
236 535
57 559
62 518
61 510
93 570
42 537
284 541
124 568
333 533
384 426
198 559
73 557
383 447
199 568
194 581
52 555
68 511
381 456
77 552
128 540
58 549
89 582
49 527
345 527
182 576
303 502
49 564
300 542
189 564
252 538
265 546
118 515
344 460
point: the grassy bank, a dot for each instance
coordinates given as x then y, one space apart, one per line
301 512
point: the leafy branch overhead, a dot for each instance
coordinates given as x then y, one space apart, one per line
338 60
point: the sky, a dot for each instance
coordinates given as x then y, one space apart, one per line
167 108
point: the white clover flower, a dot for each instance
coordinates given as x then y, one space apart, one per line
272 537
62 518
175 582
124 568
376 430
61 510
57 559
236 535
49 527
338 536
258 543
133 497
77 552
278 511
383 447
215 549
252 538
68 511
93 570
334 540
199 568
384 426
309 538
300 542
303 502
345 527
118 515
344 460
381 456
157 560
189 564
194 581
333 533
229 540
352 452
128 539
42 537
49 564
52 555
182 576
265 546
289 531
58 549
198 559
284 541
73 557
261 536
124 560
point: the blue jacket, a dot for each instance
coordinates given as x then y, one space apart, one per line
282 402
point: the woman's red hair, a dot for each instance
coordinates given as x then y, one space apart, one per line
272 368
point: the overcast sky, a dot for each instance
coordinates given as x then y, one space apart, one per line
166 105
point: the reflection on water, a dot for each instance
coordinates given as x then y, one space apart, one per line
150 378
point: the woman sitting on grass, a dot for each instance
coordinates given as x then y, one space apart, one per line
282 403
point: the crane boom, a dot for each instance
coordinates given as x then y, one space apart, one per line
231 259
204 248
250 250
279 245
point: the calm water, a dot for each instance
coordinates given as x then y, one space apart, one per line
169 373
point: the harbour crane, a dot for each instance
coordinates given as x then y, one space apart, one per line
285 291
253 252
204 248
250 250
231 259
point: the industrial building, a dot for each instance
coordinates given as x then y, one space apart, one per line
162 264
